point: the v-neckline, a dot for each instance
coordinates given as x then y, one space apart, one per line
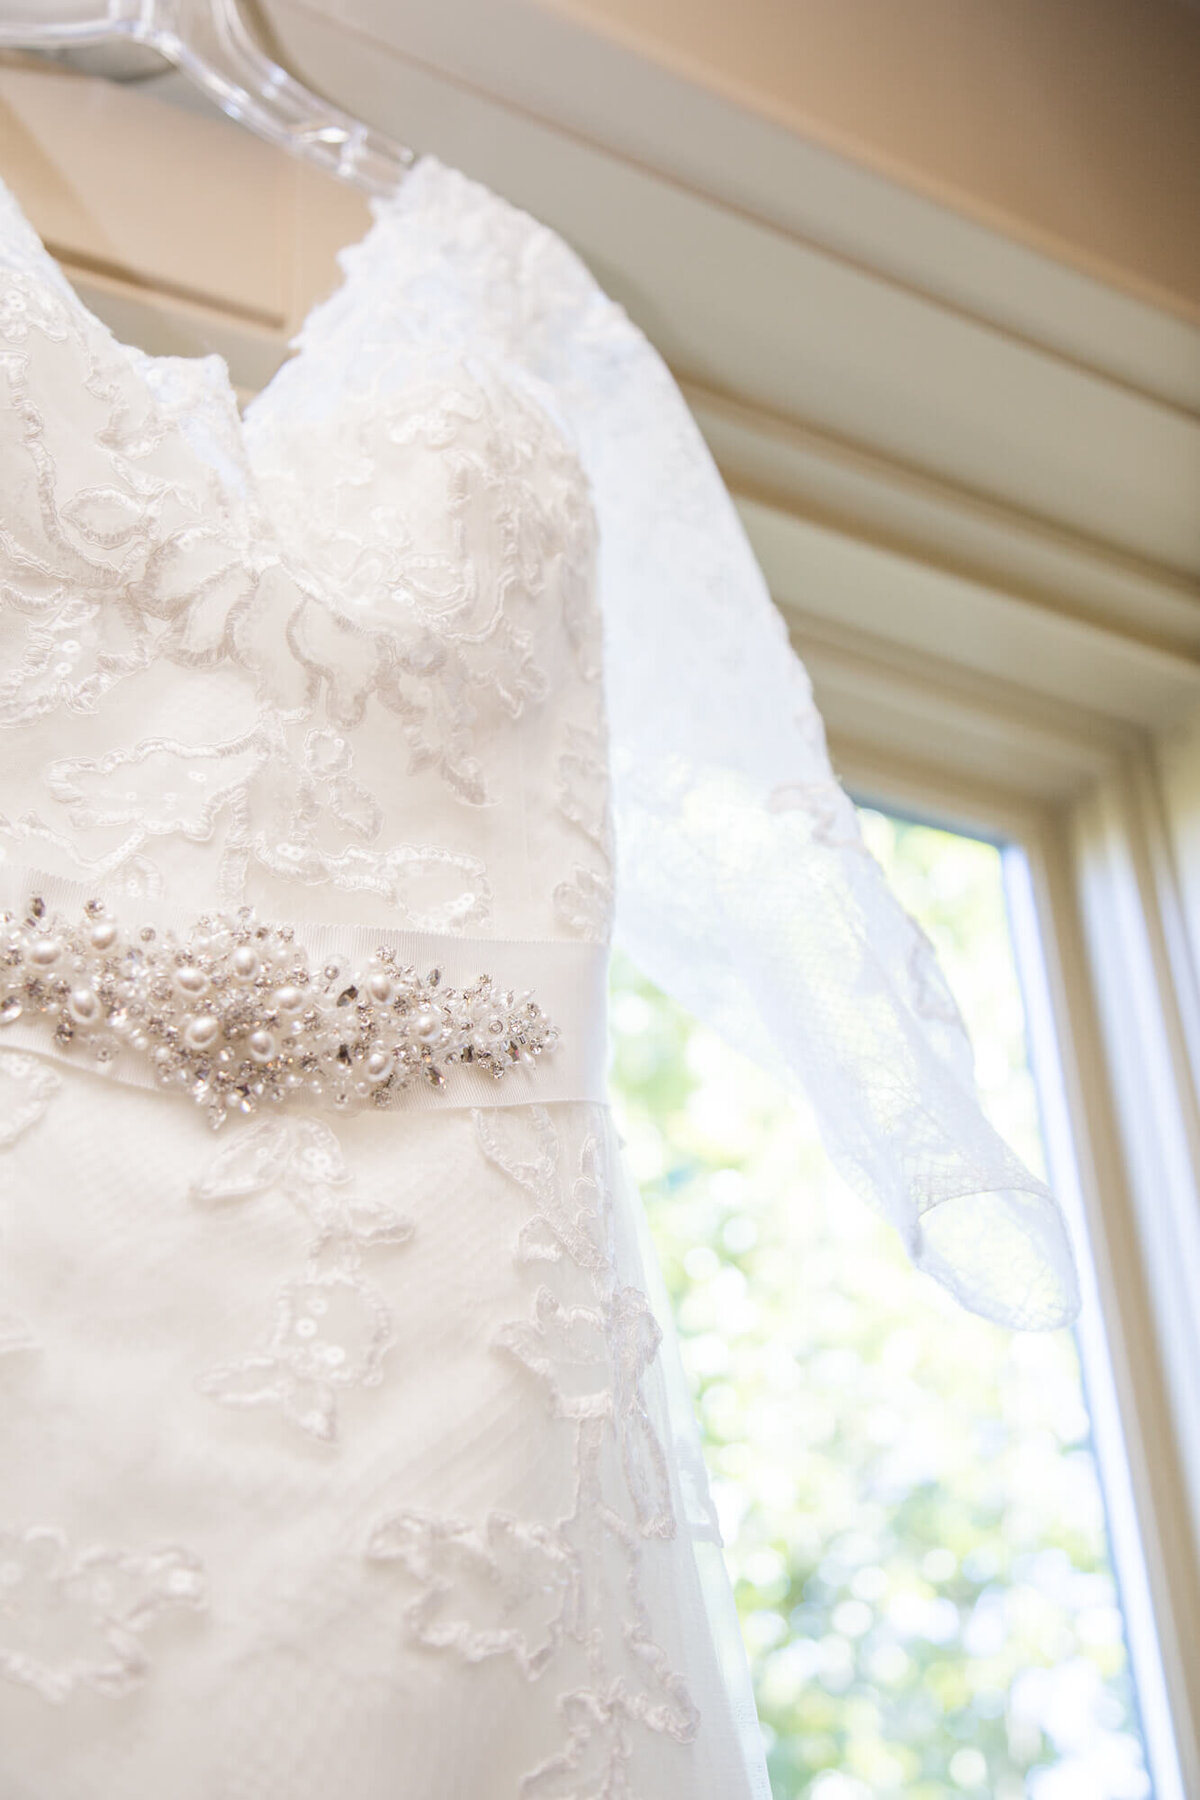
133 354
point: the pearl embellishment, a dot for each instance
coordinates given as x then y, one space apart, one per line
83 1005
202 1033
233 1012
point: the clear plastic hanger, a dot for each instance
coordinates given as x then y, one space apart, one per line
210 43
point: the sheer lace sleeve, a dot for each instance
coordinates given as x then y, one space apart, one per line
743 885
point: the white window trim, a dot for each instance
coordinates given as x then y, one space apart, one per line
1111 1439
1110 997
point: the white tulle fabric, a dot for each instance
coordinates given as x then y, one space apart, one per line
347 1456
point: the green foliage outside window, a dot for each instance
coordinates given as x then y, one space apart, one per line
908 1493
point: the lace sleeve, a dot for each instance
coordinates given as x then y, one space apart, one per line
743 884
744 887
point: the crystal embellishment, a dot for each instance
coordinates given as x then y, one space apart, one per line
233 1014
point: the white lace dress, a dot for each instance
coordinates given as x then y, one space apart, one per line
341 1454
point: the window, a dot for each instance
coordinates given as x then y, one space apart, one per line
919 1541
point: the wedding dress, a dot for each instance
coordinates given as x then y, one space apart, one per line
342 1453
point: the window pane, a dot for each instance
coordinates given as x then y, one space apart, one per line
917 1535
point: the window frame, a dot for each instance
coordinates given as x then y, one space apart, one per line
1112 1006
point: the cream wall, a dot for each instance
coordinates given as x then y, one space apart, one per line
1073 124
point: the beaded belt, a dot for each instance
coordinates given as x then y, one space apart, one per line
240 1014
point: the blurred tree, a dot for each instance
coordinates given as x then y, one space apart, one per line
914 1520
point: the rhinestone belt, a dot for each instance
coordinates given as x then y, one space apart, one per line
241 1015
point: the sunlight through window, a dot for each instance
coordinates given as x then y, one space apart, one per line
910 1494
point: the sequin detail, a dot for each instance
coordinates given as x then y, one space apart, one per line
232 1013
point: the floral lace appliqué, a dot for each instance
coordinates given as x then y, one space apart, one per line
508 1589
584 903
332 1327
27 1085
73 1619
591 1358
564 1595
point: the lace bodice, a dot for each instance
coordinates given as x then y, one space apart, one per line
340 659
